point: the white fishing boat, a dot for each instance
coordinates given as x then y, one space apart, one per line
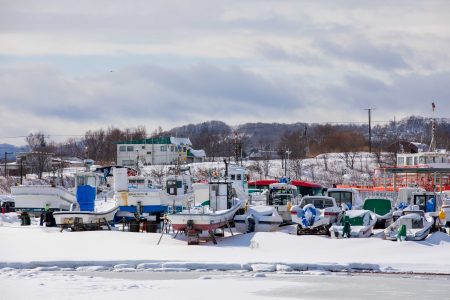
282 196
259 218
315 214
136 195
354 223
382 208
417 225
428 202
37 197
104 213
93 205
211 214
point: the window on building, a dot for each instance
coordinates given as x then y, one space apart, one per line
130 148
149 152
415 160
143 147
232 177
401 161
163 148
409 161
122 148
422 160
184 149
172 148
239 177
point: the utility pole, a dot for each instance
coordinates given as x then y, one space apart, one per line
369 110
6 153
286 162
21 170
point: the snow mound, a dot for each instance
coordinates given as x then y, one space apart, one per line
438 238
9 218
263 267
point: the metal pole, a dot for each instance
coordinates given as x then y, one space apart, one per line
369 111
6 153
21 170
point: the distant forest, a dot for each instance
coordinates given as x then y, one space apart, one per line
218 139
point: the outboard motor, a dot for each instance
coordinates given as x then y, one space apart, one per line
251 223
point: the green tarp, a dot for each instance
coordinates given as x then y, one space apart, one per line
379 206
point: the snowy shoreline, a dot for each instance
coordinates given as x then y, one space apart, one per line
48 249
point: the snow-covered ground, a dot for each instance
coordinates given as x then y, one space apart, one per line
33 284
46 263
34 246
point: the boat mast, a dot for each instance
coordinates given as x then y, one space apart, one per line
433 130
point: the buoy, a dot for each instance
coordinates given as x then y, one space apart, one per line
289 206
442 215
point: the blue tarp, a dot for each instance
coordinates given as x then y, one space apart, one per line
86 197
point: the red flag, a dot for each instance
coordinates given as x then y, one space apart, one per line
434 106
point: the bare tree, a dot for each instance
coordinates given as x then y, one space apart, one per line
296 167
40 156
158 172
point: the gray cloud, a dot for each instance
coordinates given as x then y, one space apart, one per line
363 51
172 62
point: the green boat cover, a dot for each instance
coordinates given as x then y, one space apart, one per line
379 206
356 218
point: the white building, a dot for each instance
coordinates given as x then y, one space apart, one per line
157 151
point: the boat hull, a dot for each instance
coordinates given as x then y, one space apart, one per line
203 221
85 217
262 223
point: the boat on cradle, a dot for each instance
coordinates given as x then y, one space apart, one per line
315 214
416 225
382 208
258 218
348 197
92 207
354 223
215 213
137 196
282 196
103 214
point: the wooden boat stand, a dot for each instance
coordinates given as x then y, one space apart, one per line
78 225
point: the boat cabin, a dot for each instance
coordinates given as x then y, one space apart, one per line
427 201
281 194
179 184
139 182
347 196
220 195
238 176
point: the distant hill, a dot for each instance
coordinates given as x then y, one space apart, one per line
256 135
10 149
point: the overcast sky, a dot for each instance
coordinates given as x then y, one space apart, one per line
70 66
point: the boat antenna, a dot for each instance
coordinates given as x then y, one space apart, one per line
433 130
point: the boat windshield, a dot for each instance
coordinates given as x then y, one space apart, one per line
281 199
317 202
341 197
